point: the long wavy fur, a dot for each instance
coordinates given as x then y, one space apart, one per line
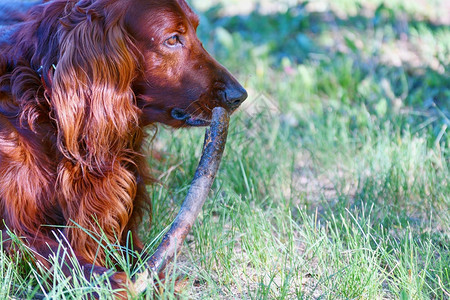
97 125
88 68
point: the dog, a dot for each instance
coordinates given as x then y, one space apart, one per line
80 80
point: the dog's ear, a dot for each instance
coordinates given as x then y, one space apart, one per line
94 108
92 99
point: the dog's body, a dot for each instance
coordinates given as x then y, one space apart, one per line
79 82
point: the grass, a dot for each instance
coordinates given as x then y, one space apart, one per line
334 184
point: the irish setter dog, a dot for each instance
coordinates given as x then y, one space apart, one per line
79 82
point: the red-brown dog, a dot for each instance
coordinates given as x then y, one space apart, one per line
79 81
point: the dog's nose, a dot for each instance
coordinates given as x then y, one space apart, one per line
234 96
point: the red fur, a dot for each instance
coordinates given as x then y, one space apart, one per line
79 82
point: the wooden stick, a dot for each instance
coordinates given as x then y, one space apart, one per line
215 140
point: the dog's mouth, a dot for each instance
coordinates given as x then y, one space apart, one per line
188 119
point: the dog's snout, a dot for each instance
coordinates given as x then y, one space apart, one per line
230 92
234 96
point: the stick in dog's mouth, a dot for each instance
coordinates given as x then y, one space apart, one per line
214 145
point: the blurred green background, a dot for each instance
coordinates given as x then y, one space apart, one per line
335 180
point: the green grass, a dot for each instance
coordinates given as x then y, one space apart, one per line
334 184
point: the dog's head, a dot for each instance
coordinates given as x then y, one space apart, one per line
180 82
124 64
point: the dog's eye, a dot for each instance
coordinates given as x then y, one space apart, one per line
173 41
